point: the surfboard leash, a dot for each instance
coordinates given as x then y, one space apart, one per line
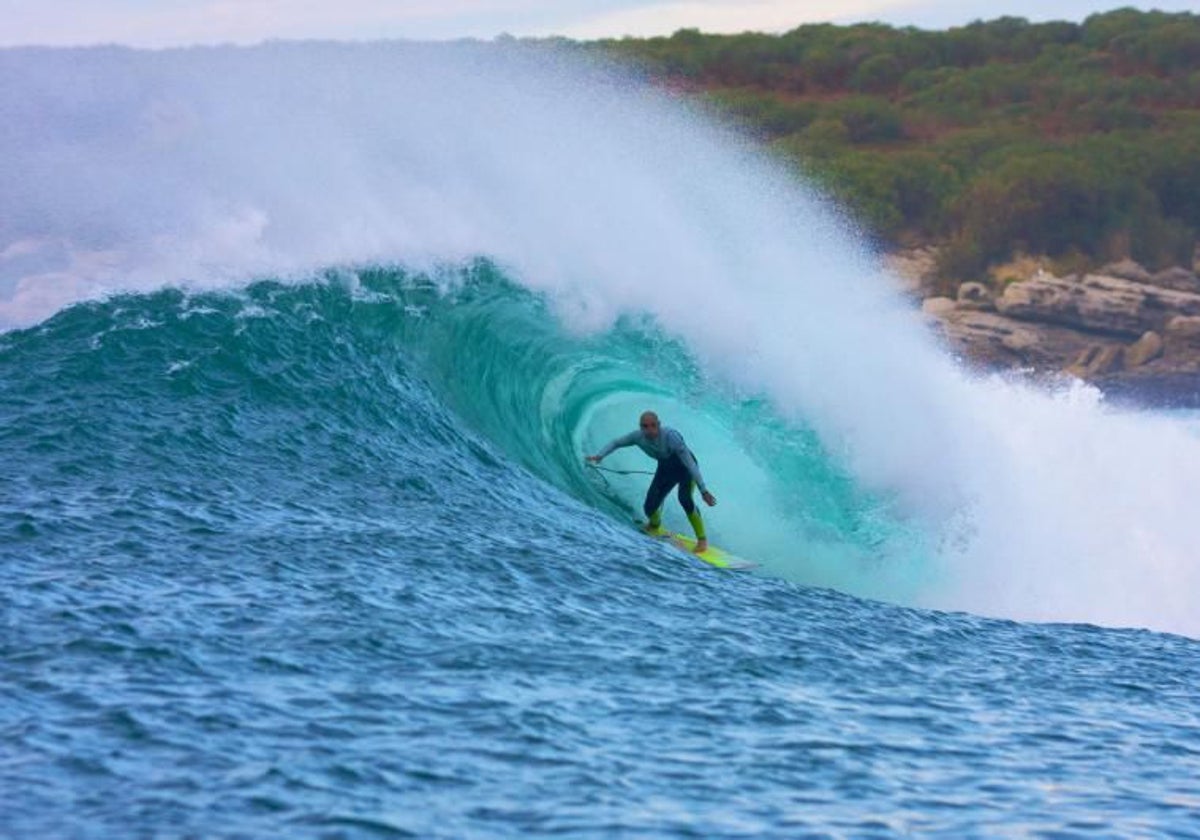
601 470
598 468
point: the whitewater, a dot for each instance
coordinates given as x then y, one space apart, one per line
303 345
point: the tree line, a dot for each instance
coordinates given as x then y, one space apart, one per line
1080 141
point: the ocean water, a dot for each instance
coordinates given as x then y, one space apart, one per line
303 347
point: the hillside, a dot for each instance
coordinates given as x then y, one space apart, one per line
1080 142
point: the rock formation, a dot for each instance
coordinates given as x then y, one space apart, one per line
1120 325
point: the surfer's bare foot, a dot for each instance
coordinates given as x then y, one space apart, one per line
701 546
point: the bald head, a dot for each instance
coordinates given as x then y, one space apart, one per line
649 424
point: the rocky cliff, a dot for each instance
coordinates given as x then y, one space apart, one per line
1122 327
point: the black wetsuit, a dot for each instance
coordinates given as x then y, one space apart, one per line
676 465
671 471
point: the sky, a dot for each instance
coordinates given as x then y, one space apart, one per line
161 23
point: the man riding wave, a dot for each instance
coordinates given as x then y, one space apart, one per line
676 466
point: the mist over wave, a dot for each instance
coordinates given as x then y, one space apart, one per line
124 170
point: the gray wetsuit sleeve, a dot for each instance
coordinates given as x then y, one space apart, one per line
678 447
620 443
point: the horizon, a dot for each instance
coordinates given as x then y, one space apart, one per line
179 23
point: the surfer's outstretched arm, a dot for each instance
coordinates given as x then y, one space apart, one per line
620 443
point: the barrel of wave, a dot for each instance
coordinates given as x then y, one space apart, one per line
745 520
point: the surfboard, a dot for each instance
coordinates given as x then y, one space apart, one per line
713 556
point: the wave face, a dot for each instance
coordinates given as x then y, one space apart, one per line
315 558
304 345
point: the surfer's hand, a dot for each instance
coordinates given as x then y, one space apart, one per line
709 498
593 459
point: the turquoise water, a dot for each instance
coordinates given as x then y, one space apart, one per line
321 560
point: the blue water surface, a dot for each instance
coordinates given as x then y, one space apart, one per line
274 563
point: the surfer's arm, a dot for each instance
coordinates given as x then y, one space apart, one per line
694 469
620 443
689 461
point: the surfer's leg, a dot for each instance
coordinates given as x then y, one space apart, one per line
685 496
693 513
660 486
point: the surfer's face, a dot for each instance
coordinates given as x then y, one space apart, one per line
649 427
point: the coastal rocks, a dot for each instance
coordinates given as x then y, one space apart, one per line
994 340
1145 350
1106 305
1179 279
1127 270
1125 328
939 307
974 296
1182 340
1172 378
1184 327
916 270
1104 359
1119 327
1097 360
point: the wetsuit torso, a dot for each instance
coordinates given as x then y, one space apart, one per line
669 444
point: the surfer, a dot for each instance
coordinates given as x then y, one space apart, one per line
676 465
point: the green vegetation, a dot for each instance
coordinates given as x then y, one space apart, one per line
1078 141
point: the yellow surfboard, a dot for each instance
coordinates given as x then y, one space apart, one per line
713 556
